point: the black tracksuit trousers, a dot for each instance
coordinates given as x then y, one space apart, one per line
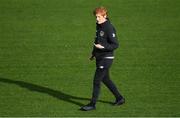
102 74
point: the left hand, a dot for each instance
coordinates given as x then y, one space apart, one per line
99 46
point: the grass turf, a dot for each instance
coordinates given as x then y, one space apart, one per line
44 50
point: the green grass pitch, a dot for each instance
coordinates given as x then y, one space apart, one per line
44 51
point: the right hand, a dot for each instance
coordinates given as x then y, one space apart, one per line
99 46
91 58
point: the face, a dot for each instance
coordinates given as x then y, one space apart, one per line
100 19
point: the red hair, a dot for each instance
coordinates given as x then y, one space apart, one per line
100 10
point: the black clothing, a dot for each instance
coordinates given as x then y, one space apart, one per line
102 74
106 36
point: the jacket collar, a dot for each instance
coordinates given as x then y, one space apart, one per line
103 24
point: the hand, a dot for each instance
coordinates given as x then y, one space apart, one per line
91 58
98 46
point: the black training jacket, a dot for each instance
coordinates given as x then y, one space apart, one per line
106 36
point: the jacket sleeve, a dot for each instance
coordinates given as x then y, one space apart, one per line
93 51
112 42
95 41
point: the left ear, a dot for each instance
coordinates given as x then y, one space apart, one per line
105 16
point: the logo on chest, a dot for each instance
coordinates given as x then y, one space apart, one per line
101 33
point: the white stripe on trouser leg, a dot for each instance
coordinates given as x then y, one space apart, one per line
101 67
109 57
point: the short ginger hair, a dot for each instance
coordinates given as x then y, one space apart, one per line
100 10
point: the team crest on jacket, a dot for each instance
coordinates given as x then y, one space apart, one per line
101 33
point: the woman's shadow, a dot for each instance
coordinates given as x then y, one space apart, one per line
54 93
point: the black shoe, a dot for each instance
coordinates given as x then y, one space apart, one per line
119 102
88 107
